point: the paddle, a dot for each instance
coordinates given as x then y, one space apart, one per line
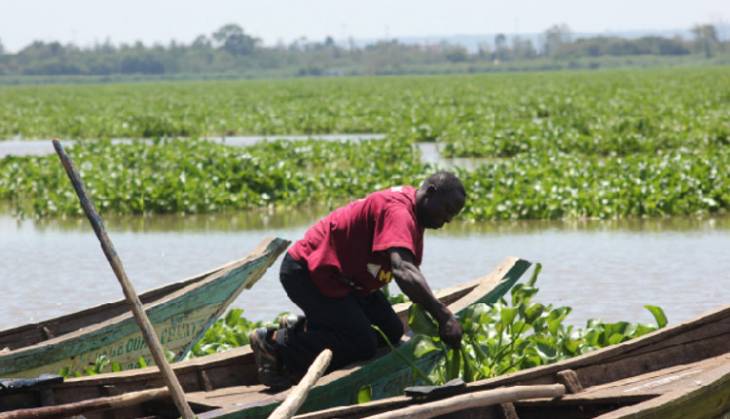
148 332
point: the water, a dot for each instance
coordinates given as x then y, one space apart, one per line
430 152
20 147
605 270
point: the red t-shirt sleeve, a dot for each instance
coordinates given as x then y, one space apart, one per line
394 227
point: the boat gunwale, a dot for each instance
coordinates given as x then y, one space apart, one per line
657 406
190 285
89 312
149 295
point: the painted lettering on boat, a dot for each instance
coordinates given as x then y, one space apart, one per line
175 333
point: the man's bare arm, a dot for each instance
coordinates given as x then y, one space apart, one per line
412 282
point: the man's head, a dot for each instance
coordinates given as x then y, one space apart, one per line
439 199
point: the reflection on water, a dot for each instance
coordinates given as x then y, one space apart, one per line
278 218
606 269
696 224
252 220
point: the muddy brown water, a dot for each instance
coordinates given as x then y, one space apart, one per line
602 269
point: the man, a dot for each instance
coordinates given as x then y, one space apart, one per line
333 274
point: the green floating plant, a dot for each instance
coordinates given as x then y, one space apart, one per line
516 334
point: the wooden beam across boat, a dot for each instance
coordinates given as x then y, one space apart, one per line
180 313
227 382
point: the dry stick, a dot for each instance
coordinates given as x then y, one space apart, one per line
295 399
111 255
70 409
472 400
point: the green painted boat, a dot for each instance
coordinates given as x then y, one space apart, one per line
386 376
180 312
226 383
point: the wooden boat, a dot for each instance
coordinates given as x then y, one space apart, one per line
181 313
678 372
227 383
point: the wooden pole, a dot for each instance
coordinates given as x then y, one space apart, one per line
473 400
148 331
71 409
297 396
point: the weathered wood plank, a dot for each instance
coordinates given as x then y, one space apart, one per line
570 380
477 399
86 405
707 397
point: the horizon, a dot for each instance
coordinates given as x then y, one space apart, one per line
86 23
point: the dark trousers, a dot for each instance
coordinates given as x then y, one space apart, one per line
340 324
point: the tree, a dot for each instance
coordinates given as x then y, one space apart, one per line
485 50
201 42
141 64
523 48
2 48
456 54
232 39
706 38
555 37
500 46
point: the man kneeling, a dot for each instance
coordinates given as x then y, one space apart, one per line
334 273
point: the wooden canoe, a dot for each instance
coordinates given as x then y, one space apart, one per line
180 313
226 384
677 372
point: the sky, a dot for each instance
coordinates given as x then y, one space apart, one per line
85 22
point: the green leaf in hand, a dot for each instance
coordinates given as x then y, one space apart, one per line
424 347
421 322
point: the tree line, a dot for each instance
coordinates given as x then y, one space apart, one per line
230 50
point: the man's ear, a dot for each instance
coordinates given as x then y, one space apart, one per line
431 190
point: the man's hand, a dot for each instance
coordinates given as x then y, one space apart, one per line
413 284
450 332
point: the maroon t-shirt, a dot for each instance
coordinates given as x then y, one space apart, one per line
346 250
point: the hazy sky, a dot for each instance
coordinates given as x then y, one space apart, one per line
87 21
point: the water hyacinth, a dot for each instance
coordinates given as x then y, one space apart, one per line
552 185
516 334
617 111
556 145
195 176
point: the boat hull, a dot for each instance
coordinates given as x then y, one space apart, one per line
180 319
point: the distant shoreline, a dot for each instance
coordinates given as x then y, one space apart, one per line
533 65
